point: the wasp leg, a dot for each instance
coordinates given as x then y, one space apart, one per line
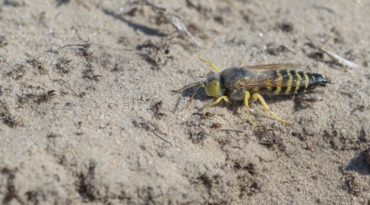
204 60
217 101
246 99
195 92
260 98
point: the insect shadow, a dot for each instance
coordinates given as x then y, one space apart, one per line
360 163
299 102
200 94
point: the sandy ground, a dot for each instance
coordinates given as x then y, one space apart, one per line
87 115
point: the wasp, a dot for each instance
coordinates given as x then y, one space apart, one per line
245 82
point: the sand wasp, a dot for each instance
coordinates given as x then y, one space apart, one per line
245 82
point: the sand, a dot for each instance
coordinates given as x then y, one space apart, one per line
88 116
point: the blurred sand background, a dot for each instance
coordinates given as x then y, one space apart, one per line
87 115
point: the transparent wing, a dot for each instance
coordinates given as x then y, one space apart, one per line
287 66
270 79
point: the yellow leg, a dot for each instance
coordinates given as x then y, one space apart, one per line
217 101
204 60
246 99
260 98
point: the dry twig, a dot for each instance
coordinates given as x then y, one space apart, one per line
338 59
174 19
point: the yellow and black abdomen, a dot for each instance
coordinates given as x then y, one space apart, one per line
292 82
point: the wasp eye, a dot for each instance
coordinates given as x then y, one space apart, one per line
209 74
213 89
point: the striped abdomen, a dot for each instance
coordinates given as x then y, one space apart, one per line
291 82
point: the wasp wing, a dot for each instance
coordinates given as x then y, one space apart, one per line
287 66
270 78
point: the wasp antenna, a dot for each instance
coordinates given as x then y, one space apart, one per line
210 63
187 87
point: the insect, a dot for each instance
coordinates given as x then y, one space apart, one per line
245 82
